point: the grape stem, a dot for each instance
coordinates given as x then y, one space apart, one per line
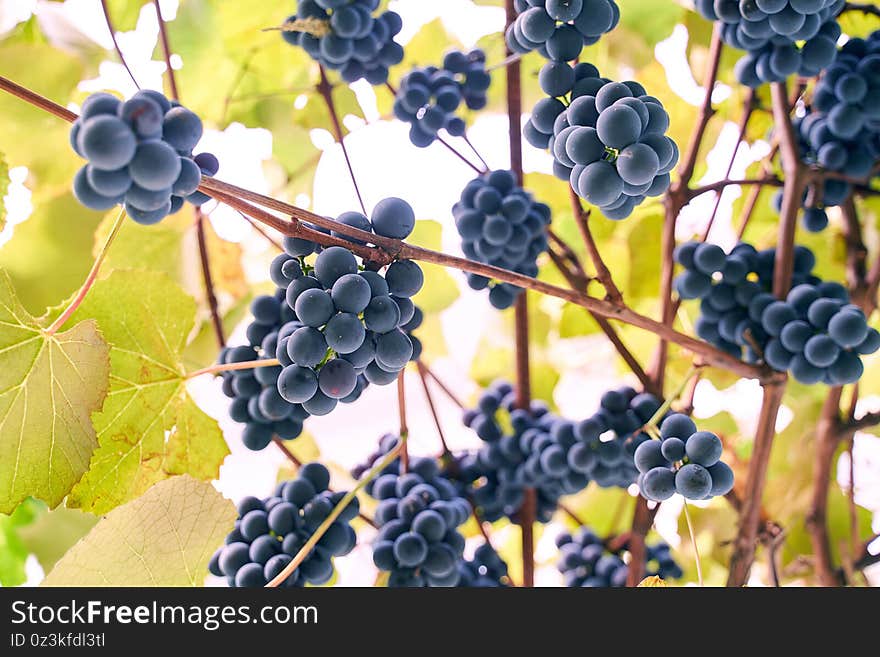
404 429
430 399
446 391
116 47
166 51
90 279
667 404
603 274
687 517
326 90
335 513
234 367
216 321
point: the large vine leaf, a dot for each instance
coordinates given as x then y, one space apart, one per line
150 428
51 534
163 538
49 385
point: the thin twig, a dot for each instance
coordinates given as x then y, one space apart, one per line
326 90
430 399
306 549
603 274
404 429
234 367
446 391
90 279
207 278
687 517
166 50
116 47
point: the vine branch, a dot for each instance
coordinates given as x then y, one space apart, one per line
116 47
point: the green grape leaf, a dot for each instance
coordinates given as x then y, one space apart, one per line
50 253
49 385
13 550
163 538
149 428
53 533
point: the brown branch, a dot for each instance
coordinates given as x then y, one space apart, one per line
116 47
166 50
770 181
748 110
216 321
455 400
262 232
388 249
792 192
423 377
643 519
526 521
675 199
827 440
326 90
571 514
750 516
603 274
452 149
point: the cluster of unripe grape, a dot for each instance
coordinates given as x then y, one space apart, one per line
683 461
501 224
815 333
841 130
140 155
418 516
608 139
781 37
351 320
346 36
429 97
587 561
523 448
559 29
270 532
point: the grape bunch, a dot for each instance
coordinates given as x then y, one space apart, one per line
684 461
418 515
781 37
607 441
608 139
486 570
256 402
815 333
586 561
270 532
532 453
351 321
428 97
559 29
502 225
140 155
344 35
841 131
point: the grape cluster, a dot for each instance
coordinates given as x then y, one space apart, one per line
270 532
608 439
607 138
532 453
428 97
344 35
486 570
841 131
684 461
501 224
586 561
559 29
781 37
140 155
256 402
815 333
418 515
350 322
